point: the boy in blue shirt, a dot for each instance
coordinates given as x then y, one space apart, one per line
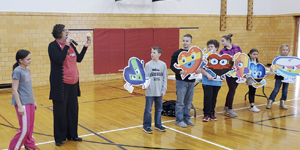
156 71
210 87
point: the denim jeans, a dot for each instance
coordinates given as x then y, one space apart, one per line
210 99
185 94
277 88
147 112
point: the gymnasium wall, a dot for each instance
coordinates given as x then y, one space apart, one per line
32 31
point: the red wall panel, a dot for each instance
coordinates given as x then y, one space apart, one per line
101 51
116 50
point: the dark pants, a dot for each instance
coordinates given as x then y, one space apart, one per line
232 85
251 93
210 99
65 114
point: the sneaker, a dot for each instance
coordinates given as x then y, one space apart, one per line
147 130
161 128
189 122
28 148
205 119
232 113
269 104
254 109
213 117
181 124
225 109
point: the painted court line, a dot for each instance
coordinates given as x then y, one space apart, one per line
197 138
121 129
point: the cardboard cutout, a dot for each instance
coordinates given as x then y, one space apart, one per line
287 67
219 65
134 74
240 68
258 74
189 61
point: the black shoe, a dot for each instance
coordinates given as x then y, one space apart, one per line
75 139
58 143
27 148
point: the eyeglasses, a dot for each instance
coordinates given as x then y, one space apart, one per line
66 30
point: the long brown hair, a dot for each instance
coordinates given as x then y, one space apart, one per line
252 51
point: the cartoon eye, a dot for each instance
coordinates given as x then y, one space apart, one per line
259 73
137 71
133 77
294 68
214 61
183 60
223 62
240 64
193 56
255 73
284 68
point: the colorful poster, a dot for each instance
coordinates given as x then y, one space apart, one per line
219 65
240 68
134 74
287 67
189 61
258 74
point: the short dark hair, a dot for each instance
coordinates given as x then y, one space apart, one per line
252 51
188 35
57 31
228 37
158 49
214 42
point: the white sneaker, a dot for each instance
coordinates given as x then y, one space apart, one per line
254 109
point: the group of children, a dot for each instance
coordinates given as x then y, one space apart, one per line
185 87
156 70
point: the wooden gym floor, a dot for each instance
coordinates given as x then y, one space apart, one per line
110 118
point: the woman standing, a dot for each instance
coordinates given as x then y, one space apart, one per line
64 84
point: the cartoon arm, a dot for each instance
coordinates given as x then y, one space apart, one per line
164 84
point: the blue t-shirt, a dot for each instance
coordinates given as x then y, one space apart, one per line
205 80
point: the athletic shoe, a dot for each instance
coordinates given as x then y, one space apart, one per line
181 124
189 122
147 130
161 128
232 113
205 119
254 109
225 109
28 148
213 117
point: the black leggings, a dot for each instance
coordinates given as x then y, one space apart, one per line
251 93
232 85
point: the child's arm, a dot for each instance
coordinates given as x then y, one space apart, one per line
15 85
147 74
165 78
35 105
210 78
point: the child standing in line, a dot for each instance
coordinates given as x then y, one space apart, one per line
231 82
184 87
253 54
24 101
210 87
283 51
156 71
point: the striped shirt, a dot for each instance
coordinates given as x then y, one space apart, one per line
235 49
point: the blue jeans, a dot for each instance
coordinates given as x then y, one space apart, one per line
277 88
185 94
147 112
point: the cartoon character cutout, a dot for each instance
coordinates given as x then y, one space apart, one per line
134 74
189 61
219 65
258 74
288 67
240 68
